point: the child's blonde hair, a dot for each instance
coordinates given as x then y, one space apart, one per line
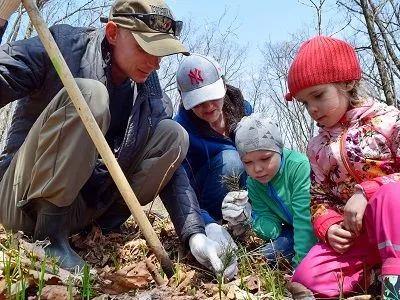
356 95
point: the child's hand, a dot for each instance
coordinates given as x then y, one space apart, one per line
354 212
339 238
236 208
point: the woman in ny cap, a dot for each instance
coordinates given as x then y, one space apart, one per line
209 111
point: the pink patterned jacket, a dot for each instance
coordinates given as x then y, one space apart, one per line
363 148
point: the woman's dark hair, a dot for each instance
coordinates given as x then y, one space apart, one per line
233 108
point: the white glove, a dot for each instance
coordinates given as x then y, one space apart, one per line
236 208
208 250
219 234
8 7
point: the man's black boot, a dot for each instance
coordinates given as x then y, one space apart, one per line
53 223
113 218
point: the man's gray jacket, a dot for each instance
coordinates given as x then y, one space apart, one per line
27 75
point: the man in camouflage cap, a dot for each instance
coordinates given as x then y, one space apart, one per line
52 181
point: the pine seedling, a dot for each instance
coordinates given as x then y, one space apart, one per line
22 283
245 266
33 260
228 257
273 282
231 182
41 277
220 281
86 285
54 265
70 289
177 271
9 243
7 272
115 262
22 290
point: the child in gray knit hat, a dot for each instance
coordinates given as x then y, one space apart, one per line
258 132
278 187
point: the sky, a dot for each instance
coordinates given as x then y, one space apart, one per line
269 18
258 20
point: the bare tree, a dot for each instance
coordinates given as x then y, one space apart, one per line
376 34
296 126
317 5
370 20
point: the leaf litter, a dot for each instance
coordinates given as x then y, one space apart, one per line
123 267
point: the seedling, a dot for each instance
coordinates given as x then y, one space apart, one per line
33 260
41 277
272 281
115 261
7 272
245 266
54 265
70 288
86 285
22 290
177 272
22 283
228 257
231 182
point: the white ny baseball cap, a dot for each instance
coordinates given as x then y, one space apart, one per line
199 80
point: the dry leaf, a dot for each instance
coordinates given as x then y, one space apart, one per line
35 249
3 286
299 291
48 278
126 279
58 292
253 284
187 279
236 293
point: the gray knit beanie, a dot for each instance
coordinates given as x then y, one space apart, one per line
258 132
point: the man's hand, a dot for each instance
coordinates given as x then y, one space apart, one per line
339 238
212 250
236 208
8 7
354 212
219 234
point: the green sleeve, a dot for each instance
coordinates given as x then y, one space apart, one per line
304 237
266 224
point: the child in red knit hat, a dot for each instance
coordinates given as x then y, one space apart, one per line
355 173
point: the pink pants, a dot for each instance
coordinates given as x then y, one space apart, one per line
324 271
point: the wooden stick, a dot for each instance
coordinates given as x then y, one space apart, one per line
97 136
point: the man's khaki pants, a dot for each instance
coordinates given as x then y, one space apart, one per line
58 157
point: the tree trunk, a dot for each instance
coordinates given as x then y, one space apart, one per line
379 57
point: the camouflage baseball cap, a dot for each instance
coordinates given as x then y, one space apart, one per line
152 24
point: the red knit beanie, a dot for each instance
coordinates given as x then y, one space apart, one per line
322 60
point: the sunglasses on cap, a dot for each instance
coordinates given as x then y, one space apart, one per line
156 22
